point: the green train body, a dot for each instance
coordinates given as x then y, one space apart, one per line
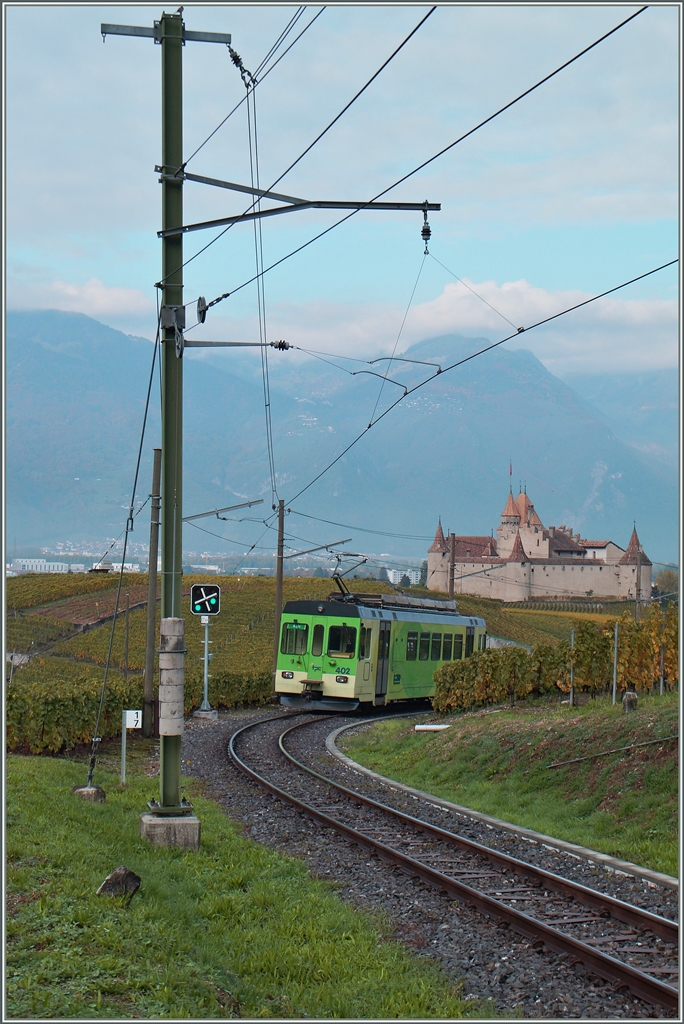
369 649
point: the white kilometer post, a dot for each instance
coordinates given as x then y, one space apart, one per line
129 720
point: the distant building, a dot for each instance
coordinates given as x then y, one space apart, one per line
20 565
527 560
395 576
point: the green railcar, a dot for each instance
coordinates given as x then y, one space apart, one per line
369 649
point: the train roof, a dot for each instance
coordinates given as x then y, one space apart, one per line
395 601
415 611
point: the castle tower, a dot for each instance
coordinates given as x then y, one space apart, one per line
438 561
508 530
636 565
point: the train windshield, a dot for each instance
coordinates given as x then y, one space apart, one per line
342 641
294 638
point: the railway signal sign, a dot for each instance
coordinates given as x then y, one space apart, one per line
205 598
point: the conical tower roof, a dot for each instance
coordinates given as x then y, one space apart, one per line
522 503
630 555
439 544
510 509
518 552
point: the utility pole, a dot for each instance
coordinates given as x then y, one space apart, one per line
452 564
126 622
148 697
615 659
278 585
637 606
572 667
662 648
170 33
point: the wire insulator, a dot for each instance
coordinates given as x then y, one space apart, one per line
426 231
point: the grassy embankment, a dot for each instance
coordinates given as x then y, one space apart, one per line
232 931
624 804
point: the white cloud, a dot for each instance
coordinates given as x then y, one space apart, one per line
94 298
611 334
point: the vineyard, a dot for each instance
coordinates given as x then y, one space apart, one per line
42 588
496 676
68 619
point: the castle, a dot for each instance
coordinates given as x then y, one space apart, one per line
527 560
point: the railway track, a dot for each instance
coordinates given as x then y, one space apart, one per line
617 941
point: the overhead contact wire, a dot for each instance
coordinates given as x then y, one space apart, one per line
307 150
266 73
474 355
430 160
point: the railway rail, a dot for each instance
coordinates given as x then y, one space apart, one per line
617 941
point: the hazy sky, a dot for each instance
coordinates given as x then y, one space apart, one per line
570 192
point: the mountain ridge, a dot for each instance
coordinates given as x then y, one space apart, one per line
75 395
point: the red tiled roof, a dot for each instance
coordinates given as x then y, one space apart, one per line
522 503
630 555
518 552
510 509
468 548
439 544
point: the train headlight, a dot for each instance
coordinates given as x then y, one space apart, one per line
341 679
287 675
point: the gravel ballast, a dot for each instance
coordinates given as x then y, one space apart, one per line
492 962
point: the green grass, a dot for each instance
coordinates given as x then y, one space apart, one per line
624 804
234 930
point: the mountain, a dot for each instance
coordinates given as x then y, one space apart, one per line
642 409
75 398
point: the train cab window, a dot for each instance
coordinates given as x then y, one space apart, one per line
411 645
365 642
317 641
424 649
446 647
482 642
436 650
458 646
342 641
294 638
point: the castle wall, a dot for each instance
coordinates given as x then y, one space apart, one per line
516 581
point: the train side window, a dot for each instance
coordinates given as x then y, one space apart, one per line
342 641
436 651
458 646
446 647
294 638
424 649
317 641
411 646
365 642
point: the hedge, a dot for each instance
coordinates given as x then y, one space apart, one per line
496 675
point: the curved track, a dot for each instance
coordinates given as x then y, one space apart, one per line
615 940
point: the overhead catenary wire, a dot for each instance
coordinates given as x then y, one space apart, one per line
474 355
261 77
422 165
129 528
261 294
360 529
249 208
477 296
401 330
